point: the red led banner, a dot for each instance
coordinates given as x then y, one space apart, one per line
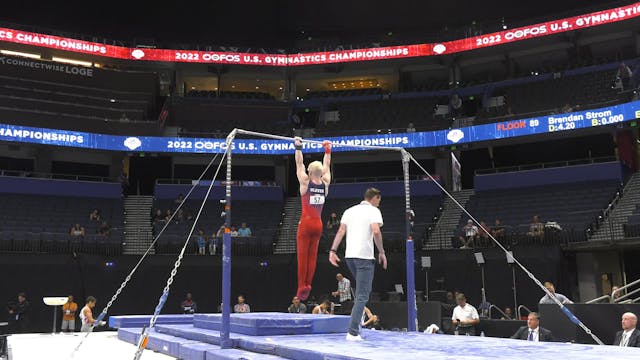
329 57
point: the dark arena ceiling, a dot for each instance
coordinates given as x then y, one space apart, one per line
280 23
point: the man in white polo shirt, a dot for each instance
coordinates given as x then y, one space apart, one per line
465 316
361 223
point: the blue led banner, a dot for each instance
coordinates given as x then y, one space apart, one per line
531 126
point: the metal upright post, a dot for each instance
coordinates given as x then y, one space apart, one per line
412 317
225 341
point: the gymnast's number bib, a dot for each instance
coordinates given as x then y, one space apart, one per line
316 199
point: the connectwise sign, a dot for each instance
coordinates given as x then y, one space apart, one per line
598 18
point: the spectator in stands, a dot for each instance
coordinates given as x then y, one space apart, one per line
179 216
615 293
343 293
77 230
536 229
105 229
234 232
533 331
188 306
629 335
69 315
244 230
202 242
483 234
624 76
297 307
189 215
124 183
179 199
19 314
498 230
465 317
411 128
546 299
159 217
167 215
333 222
241 306
94 215
216 241
469 235
324 308
508 313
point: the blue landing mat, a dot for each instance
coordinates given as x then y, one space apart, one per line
260 324
384 345
139 321
130 335
196 351
237 354
197 334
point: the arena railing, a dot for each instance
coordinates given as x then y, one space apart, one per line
546 165
55 176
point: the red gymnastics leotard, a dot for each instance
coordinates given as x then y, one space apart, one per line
308 238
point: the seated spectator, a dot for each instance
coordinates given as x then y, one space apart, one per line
234 232
241 306
324 308
483 234
105 229
546 299
94 215
77 230
202 242
508 314
536 229
159 217
297 307
189 216
498 230
469 235
533 331
333 222
189 306
411 128
167 215
244 230
179 199
616 293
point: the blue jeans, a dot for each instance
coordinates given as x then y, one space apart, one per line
362 270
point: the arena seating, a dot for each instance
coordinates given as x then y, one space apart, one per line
262 217
107 101
41 223
632 227
197 115
574 206
393 214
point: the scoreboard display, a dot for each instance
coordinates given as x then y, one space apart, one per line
485 132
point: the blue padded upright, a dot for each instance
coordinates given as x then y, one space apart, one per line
262 324
139 321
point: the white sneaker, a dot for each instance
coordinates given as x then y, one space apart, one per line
354 337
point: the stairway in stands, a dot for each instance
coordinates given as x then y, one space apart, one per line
613 224
447 225
138 230
287 232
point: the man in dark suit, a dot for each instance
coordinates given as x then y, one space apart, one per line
629 335
533 331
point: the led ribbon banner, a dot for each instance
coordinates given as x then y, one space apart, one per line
597 18
487 132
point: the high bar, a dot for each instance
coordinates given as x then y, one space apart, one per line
279 137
